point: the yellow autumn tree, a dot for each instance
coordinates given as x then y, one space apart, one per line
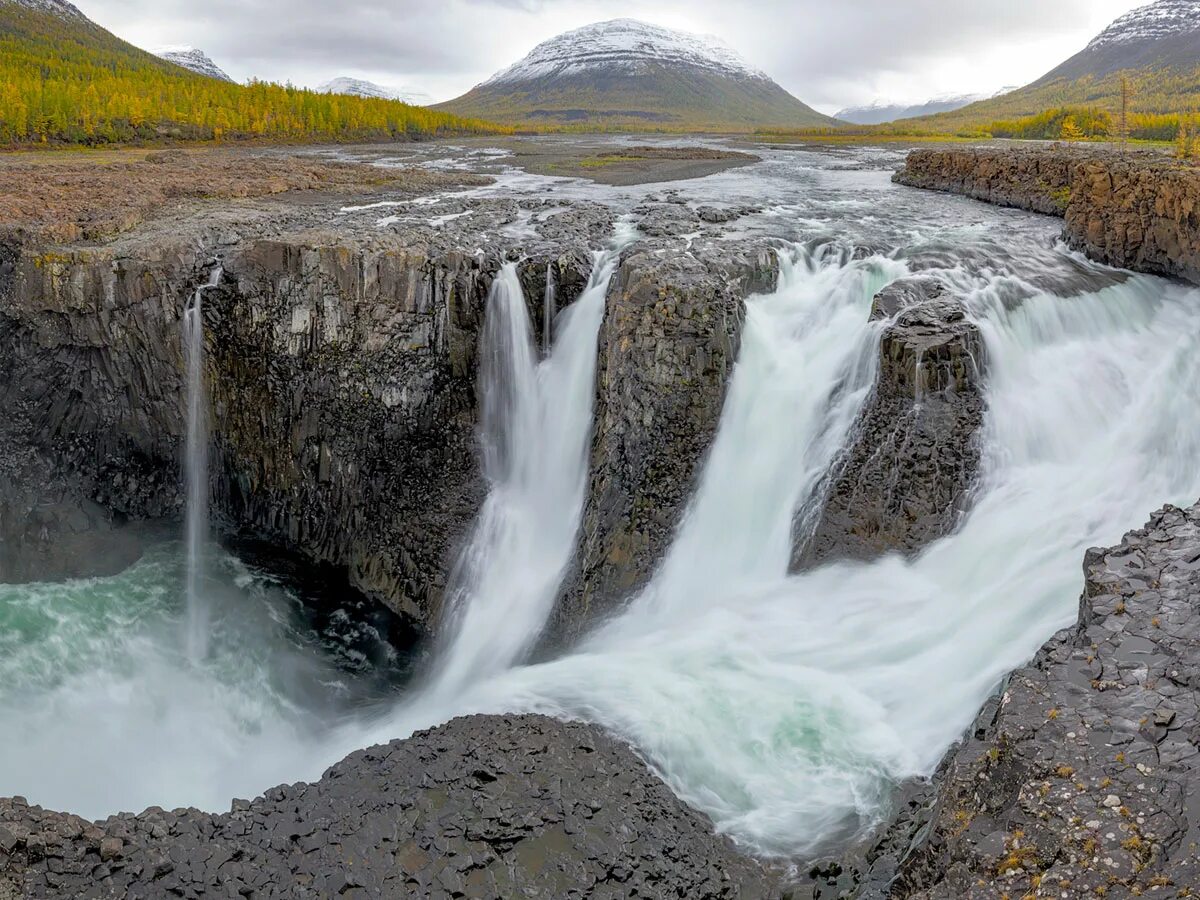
71 82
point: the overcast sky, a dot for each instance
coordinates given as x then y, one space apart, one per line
829 53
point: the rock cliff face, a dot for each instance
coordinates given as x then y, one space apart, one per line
520 806
671 336
903 480
1137 211
1036 180
342 376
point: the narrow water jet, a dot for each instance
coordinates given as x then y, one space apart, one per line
196 471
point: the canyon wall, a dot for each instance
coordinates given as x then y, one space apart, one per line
342 381
1138 211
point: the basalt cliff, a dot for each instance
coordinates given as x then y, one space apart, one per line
342 339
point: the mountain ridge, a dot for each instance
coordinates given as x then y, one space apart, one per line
1156 47
193 60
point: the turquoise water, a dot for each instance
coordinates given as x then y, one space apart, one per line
102 711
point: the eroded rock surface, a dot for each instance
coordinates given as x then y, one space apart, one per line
484 807
914 453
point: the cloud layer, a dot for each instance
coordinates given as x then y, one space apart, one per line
828 54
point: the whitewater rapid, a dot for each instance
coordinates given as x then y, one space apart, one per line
788 707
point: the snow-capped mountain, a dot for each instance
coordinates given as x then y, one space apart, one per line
358 87
628 73
195 60
882 111
625 44
1163 35
1151 23
60 8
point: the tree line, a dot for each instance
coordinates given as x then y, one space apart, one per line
69 82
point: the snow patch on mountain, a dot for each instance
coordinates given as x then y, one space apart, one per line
629 45
882 111
194 60
1163 19
60 8
358 87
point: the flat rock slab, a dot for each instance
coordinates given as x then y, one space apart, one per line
483 807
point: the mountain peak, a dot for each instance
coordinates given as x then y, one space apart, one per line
1162 19
60 8
193 60
627 44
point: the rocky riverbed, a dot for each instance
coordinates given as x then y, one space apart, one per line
343 336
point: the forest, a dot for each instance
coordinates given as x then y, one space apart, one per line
70 82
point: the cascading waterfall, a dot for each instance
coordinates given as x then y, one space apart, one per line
786 707
536 423
196 469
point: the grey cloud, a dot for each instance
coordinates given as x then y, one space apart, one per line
822 50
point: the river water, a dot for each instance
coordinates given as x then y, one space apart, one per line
786 707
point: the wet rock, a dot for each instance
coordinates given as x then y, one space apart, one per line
1081 778
670 340
904 478
486 807
1133 210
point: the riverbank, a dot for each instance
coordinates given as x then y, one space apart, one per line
1133 211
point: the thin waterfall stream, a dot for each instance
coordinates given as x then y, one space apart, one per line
196 530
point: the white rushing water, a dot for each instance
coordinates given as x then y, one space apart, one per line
787 706
536 425
196 470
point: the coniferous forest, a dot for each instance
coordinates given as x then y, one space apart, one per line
71 82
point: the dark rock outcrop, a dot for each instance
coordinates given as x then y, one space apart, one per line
342 373
1137 211
483 807
913 455
671 336
1083 779
1033 179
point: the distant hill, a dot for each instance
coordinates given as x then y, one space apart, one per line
194 61
629 74
357 87
64 79
880 112
1157 47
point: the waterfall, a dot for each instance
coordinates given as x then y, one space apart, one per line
787 706
196 469
550 310
536 430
